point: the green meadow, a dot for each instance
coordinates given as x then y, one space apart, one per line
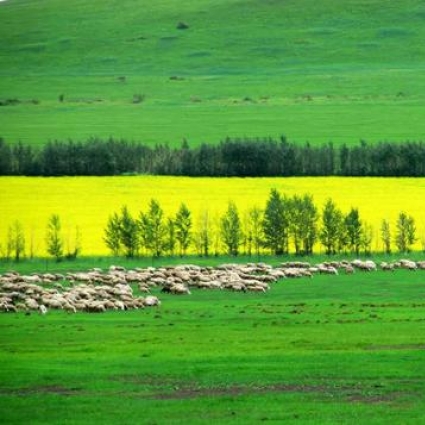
347 349
332 349
314 71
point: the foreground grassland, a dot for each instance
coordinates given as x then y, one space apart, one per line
318 71
87 202
341 349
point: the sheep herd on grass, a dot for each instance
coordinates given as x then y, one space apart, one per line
97 291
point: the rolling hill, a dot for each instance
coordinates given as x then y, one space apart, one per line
202 70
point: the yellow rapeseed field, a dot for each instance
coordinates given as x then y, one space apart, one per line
87 202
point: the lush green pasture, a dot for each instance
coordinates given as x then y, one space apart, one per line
169 114
344 349
317 71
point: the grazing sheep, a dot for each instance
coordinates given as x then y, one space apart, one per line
370 265
255 288
349 269
119 305
69 308
116 269
408 265
151 301
98 291
7 307
324 269
144 288
32 279
386 266
96 307
179 289
367 265
31 304
53 303
203 285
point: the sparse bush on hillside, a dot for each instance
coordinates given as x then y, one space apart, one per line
138 98
15 101
182 26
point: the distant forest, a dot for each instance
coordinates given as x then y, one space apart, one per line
232 157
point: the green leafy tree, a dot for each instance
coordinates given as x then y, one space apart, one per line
183 224
154 229
203 237
332 231
366 238
54 239
230 229
112 235
247 234
255 215
353 227
275 224
215 234
171 240
386 236
16 241
32 244
310 219
303 219
129 233
405 232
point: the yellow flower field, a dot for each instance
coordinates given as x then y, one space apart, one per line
87 202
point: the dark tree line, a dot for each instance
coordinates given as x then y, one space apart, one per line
261 157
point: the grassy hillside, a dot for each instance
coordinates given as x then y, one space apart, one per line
315 71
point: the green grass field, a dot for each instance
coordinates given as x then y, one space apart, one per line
317 71
346 349
341 349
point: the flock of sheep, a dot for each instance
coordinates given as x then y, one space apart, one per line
99 291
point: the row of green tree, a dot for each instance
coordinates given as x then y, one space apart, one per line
17 245
284 225
231 157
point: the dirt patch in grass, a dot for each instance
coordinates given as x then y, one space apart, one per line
396 347
187 391
375 398
44 389
167 388
345 394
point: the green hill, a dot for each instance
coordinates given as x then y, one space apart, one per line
206 69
